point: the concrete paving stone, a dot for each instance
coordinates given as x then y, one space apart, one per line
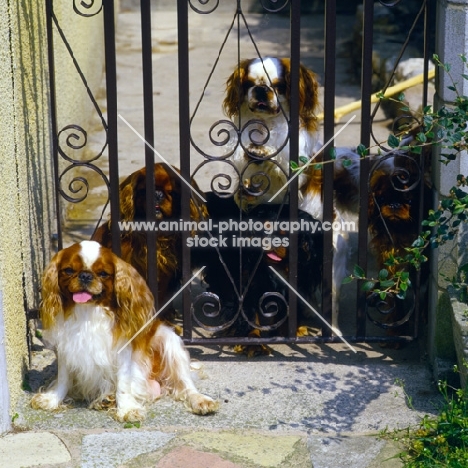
109 450
187 457
26 449
261 450
352 452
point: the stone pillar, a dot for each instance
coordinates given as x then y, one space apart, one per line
451 42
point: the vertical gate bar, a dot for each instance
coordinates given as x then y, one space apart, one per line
427 36
112 133
422 188
327 171
147 64
295 54
53 116
366 91
184 141
240 123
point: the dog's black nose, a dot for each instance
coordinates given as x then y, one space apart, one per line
261 92
86 277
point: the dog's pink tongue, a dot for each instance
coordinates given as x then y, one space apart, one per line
82 297
273 256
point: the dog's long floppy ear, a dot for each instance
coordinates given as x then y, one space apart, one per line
127 196
135 303
308 94
51 304
234 90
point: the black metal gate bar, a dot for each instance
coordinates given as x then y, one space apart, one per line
327 187
147 67
295 51
184 142
53 115
366 91
112 116
427 5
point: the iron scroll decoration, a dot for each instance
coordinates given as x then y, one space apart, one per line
209 314
209 6
87 8
72 138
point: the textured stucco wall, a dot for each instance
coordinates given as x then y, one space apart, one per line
451 41
25 195
27 218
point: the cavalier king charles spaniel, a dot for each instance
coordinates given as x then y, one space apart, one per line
167 199
393 225
393 209
99 314
257 100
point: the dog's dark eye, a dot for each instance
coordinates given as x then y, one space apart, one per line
280 88
103 274
69 271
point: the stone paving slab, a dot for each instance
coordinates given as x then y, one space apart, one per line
26 449
227 449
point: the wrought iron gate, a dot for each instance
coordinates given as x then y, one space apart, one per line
272 315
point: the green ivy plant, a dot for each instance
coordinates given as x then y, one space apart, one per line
440 440
445 128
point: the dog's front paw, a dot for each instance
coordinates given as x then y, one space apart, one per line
130 414
202 404
262 152
46 401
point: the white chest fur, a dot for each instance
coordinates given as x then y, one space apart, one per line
84 344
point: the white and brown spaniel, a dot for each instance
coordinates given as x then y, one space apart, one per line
99 314
257 100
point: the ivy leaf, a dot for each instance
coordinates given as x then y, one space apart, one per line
368 286
421 137
361 150
347 280
387 284
383 274
359 272
393 141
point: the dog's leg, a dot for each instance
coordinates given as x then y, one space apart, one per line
340 262
131 387
57 391
175 375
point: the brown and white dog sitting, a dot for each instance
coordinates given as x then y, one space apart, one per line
134 243
257 100
99 314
